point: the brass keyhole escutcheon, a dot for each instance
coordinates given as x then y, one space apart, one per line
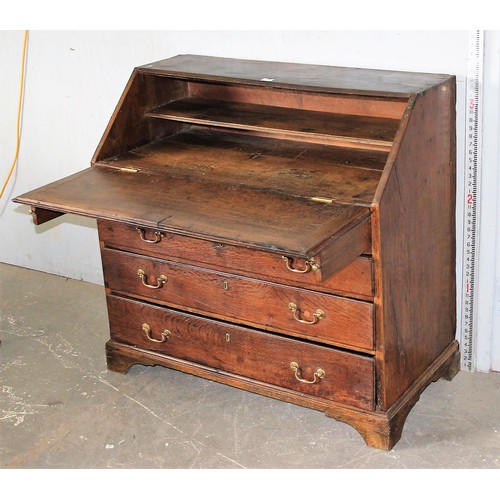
225 285
228 337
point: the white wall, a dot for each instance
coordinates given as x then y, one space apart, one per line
74 80
489 344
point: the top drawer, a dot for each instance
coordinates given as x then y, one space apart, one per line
354 280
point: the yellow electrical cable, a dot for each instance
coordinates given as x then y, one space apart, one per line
19 108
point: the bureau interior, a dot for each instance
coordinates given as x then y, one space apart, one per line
310 144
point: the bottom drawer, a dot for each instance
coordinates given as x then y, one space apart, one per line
306 368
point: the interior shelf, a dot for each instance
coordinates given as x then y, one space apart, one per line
298 124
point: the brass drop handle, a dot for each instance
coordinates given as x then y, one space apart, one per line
160 281
318 314
142 233
164 335
308 265
318 374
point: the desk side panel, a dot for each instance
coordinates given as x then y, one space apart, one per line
127 128
414 247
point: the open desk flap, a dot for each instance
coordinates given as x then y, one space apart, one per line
328 234
99 193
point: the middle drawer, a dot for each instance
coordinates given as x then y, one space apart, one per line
285 309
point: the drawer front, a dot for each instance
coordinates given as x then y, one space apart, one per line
313 315
321 371
354 280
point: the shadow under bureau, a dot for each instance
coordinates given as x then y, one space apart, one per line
281 228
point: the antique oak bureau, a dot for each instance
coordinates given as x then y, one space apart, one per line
281 228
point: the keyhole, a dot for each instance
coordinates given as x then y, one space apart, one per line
228 337
225 285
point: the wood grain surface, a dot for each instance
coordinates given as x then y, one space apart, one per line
318 126
414 246
345 175
220 212
354 280
346 322
331 79
349 378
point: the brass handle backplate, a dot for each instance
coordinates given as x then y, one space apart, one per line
164 335
308 265
160 281
318 374
142 233
317 315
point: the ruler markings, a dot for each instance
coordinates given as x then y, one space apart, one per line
472 170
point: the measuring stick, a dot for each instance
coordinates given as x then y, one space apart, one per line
472 171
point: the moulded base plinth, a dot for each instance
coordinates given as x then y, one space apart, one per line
380 430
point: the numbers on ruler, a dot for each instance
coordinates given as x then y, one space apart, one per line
471 181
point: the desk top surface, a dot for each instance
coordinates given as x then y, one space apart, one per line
299 76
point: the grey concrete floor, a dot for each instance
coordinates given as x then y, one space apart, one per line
61 408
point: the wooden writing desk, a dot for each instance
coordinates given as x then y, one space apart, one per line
282 228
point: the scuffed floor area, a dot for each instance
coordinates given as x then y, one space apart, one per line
61 408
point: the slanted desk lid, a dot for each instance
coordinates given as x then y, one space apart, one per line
333 234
